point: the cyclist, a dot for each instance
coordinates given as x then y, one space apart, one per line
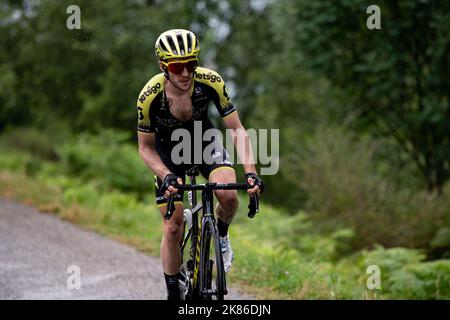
178 98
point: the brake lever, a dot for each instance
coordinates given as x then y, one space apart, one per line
253 206
170 204
170 207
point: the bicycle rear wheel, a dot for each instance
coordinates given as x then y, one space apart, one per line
212 274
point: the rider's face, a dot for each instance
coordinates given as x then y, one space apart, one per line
183 80
180 74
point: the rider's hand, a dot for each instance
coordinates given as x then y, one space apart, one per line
254 181
168 183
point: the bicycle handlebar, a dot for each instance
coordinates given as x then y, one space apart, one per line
253 205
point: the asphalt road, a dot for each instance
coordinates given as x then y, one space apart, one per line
43 257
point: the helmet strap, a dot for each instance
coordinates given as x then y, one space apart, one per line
166 72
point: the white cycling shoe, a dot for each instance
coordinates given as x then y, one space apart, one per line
227 252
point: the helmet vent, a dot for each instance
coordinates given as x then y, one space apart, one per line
181 43
189 43
172 44
162 45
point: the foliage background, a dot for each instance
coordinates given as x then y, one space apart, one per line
364 121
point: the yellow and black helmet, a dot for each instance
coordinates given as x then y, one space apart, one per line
177 44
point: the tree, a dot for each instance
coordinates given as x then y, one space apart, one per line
396 77
86 78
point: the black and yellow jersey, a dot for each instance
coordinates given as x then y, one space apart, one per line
154 115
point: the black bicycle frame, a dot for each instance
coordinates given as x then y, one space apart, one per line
208 214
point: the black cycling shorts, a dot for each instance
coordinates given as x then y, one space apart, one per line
217 158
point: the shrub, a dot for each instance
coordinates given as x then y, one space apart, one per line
36 142
404 274
108 158
347 185
440 245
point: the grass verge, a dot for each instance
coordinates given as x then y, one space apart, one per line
277 256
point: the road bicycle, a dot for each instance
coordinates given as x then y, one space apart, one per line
202 272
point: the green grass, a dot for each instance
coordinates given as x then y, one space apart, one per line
277 256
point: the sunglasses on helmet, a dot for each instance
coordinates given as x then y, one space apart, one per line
178 67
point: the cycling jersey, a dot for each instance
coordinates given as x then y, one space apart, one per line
153 108
155 117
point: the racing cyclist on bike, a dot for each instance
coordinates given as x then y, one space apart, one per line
178 98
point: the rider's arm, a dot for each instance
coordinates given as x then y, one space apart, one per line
244 149
148 153
147 100
241 141
243 146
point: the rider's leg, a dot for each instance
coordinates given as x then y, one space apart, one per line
170 244
225 210
227 199
170 248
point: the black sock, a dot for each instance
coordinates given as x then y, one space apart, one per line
223 227
173 287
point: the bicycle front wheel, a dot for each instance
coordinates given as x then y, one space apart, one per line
212 274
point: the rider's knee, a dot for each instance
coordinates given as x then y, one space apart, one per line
228 199
173 229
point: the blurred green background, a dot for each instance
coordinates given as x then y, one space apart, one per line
364 119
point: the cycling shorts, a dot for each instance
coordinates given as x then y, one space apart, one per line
213 159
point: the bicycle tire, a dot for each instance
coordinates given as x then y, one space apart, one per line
212 273
187 266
